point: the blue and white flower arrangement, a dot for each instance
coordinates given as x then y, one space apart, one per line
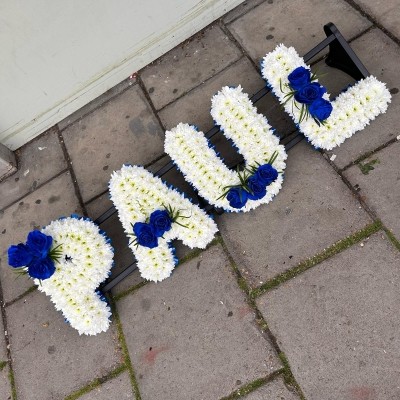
68 259
154 214
325 123
241 190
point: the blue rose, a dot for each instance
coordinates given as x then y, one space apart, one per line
39 244
266 174
160 221
41 268
299 78
320 109
145 235
256 187
307 94
237 197
19 256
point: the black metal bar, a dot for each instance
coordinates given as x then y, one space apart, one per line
342 56
117 279
318 48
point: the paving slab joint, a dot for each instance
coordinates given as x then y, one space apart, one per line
353 189
392 238
364 156
151 104
125 351
329 252
29 290
96 383
7 340
288 377
365 14
232 38
72 172
252 386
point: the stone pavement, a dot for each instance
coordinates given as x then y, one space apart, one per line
295 300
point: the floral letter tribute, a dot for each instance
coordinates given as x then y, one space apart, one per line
325 123
264 157
152 215
68 259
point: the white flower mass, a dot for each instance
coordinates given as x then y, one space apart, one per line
352 110
250 133
86 260
136 193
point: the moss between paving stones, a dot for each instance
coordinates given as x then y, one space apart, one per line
392 238
288 375
12 384
96 383
125 352
29 290
3 365
250 387
311 262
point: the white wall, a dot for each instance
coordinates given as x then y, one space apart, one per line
56 56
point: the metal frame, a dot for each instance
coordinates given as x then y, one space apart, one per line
340 56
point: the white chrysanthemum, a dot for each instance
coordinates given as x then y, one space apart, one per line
136 193
352 109
85 261
251 134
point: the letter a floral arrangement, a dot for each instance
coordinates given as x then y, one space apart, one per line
69 258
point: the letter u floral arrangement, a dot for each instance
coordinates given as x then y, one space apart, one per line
71 257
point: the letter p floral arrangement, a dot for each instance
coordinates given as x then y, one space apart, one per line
68 259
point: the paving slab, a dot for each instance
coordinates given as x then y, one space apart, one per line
380 187
313 210
381 56
386 12
275 390
193 336
297 23
124 130
118 388
67 361
97 102
38 161
338 324
5 386
189 64
53 200
240 10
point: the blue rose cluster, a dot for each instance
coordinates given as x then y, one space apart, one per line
256 184
35 255
309 93
147 234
